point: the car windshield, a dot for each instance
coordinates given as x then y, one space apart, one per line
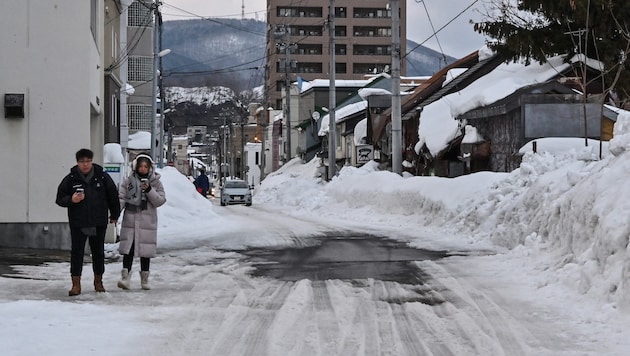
235 184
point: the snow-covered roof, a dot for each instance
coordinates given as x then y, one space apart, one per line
325 83
140 140
438 125
360 131
341 114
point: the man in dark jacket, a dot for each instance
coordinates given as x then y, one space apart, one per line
89 193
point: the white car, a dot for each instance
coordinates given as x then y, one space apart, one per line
236 191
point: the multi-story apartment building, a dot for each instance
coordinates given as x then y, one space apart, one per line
298 41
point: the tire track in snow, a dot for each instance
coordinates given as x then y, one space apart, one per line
325 317
244 330
478 317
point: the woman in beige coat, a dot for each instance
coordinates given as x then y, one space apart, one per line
140 195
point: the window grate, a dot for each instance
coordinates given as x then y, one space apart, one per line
140 69
139 117
139 14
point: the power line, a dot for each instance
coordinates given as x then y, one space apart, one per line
440 29
218 58
244 29
218 71
433 28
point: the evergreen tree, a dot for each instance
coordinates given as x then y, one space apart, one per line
537 29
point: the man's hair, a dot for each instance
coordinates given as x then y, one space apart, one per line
84 153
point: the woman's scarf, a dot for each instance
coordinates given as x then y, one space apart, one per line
135 196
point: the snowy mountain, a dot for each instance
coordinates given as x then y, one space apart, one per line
214 52
231 53
213 59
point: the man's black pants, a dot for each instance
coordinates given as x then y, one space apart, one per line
97 248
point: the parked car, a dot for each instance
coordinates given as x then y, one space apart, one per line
235 191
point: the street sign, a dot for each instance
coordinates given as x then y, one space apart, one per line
365 153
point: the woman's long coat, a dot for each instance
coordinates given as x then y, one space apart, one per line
141 226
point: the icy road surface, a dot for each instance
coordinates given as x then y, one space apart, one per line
209 300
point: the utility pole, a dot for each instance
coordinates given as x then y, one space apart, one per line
160 138
156 142
396 119
579 34
282 32
243 143
287 90
225 133
156 51
332 99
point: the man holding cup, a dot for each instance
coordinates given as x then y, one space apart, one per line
89 194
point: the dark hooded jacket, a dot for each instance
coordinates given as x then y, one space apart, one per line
101 197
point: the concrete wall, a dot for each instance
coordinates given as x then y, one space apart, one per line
57 64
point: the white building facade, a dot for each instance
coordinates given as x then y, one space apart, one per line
51 87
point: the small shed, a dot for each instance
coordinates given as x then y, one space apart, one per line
548 109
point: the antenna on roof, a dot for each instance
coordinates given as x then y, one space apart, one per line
243 10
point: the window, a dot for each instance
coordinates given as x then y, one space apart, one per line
370 50
299 12
306 31
309 49
341 68
369 68
115 45
115 111
139 14
306 67
361 31
372 13
140 69
139 117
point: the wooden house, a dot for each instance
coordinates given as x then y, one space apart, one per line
548 109
439 85
552 108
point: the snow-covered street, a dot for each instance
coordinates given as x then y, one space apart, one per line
538 265
204 302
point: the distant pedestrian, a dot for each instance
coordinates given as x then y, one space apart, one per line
88 193
140 195
202 183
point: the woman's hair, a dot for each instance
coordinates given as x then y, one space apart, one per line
142 157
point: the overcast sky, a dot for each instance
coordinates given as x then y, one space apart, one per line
457 39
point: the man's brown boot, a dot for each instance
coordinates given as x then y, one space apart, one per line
98 283
76 286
